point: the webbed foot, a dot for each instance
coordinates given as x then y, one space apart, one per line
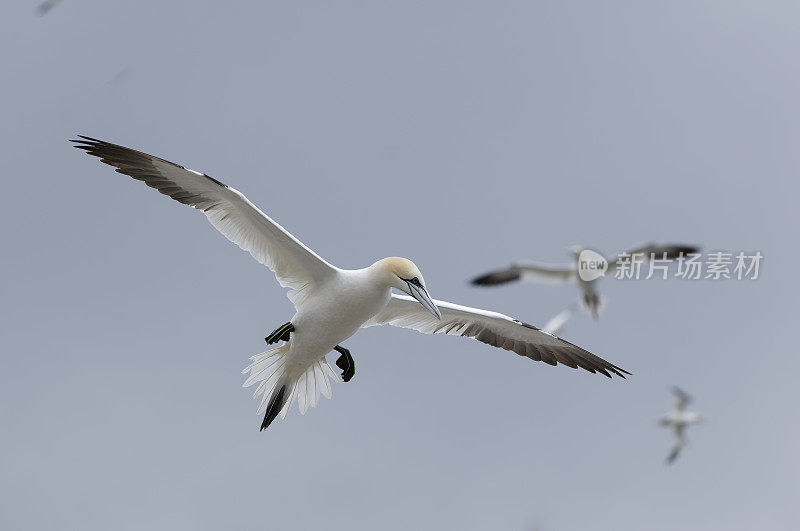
346 363
280 334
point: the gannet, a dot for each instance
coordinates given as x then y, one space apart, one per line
331 303
678 418
537 272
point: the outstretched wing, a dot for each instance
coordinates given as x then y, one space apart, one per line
296 266
653 250
678 429
683 398
492 328
529 271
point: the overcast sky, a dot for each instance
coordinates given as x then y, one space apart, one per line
462 135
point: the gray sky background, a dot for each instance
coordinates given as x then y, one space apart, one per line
462 135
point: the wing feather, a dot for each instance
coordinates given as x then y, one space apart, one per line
494 329
654 250
296 266
528 271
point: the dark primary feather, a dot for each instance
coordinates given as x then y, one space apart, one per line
140 166
673 455
676 251
566 353
660 252
501 276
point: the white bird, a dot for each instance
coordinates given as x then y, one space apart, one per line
537 272
678 419
331 303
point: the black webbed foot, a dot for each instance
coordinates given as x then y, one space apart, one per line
280 334
346 363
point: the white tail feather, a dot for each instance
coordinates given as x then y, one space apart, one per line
269 370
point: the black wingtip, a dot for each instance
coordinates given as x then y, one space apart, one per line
681 250
276 403
84 139
86 143
685 249
673 455
680 393
496 277
115 155
616 371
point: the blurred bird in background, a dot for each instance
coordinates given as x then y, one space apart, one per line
678 419
586 279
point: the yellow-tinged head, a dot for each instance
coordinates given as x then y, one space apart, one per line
403 274
402 267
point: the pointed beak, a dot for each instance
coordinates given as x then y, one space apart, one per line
421 294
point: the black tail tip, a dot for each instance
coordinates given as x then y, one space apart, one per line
276 403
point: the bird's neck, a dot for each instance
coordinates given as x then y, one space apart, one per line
380 273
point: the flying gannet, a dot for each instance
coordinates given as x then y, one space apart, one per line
537 272
331 303
678 419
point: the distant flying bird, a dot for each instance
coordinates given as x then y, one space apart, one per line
537 272
331 303
45 7
678 419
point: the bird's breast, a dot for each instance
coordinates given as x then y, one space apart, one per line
337 310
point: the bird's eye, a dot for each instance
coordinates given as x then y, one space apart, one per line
415 280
